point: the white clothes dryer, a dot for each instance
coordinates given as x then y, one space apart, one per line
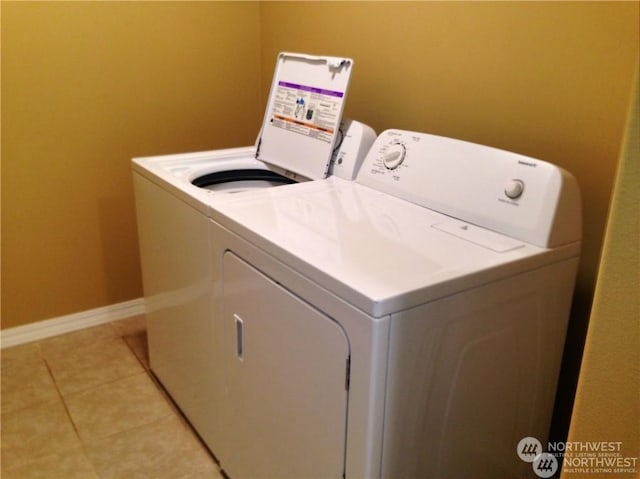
409 324
172 194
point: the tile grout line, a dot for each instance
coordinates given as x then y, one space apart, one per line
68 413
114 380
83 444
144 366
158 385
144 371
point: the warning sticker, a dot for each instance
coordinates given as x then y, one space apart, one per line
306 110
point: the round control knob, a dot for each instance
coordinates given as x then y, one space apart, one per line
394 156
514 189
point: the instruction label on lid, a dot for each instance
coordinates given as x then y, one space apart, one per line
306 110
303 113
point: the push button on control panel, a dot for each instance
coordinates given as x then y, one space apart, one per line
514 189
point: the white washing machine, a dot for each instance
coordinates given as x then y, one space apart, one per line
172 194
407 324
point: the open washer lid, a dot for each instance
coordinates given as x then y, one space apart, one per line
303 113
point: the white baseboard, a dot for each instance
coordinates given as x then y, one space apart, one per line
71 322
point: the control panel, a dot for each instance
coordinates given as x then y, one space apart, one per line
523 197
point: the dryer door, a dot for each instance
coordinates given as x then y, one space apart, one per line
286 368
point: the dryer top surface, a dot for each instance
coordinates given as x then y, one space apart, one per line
379 253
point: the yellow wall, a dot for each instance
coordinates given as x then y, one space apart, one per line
607 406
86 86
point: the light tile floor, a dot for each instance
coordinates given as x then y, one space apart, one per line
84 405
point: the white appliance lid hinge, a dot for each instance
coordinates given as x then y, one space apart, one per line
258 147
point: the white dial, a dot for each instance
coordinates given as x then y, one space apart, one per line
394 156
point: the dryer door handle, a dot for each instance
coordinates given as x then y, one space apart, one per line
239 336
